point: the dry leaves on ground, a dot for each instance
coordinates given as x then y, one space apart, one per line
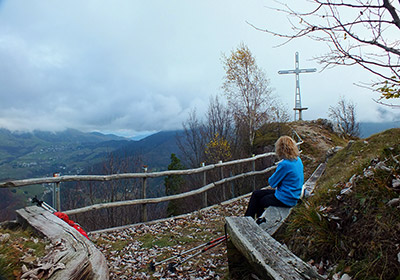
130 251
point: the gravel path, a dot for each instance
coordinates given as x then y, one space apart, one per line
130 251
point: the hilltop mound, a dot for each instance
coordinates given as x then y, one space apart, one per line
320 141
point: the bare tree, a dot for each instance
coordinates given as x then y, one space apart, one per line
280 113
247 90
361 32
197 133
219 120
192 142
343 116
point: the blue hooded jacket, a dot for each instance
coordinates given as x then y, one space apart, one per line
288 180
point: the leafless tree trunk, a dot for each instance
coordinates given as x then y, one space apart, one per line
192 142
343 116
219 120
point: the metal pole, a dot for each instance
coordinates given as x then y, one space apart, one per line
144 213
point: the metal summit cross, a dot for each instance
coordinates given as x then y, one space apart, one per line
297 108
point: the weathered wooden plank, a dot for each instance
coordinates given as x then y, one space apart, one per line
269 258
81 258
276 216
309 186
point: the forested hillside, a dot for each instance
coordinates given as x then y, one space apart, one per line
39 154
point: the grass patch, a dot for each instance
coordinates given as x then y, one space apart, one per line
150 241
119 245
168 239
12 249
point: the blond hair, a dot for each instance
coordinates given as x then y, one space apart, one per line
286 148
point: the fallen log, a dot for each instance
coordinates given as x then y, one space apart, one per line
78 258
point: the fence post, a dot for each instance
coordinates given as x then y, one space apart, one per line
56 194
232 185
144 208
204 183
254 177
223 185
58 197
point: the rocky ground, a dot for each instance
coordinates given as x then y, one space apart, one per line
130 251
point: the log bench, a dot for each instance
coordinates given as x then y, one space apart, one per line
276 216
253 245
268 258
78 258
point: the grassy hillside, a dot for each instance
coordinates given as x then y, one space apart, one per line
352 223
37 154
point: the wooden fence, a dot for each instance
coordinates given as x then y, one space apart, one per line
144 200
56 180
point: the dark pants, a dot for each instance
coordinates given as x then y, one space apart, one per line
261 199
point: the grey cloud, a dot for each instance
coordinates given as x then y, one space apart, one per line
130 66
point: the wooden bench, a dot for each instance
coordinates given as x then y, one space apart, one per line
268 258
78 258
276 216
252 244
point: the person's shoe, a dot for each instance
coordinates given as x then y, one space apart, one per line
260 220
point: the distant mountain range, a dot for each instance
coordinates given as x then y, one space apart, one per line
369 128
40 154
155 150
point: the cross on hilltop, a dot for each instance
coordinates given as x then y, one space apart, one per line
297 108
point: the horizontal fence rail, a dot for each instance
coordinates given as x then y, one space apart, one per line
167 198
76 178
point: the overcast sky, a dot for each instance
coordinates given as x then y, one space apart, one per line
130 67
